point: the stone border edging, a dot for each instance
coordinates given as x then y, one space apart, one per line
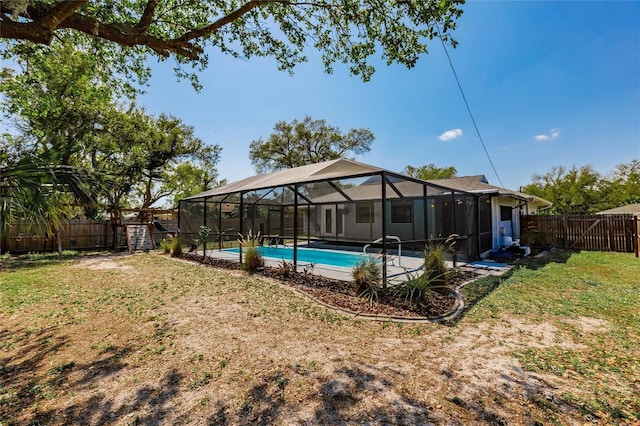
453 312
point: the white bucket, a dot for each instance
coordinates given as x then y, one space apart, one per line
507 240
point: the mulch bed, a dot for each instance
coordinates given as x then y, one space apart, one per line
340 294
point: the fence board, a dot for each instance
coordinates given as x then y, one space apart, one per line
585 232
75 235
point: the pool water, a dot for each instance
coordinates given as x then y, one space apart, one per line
326 257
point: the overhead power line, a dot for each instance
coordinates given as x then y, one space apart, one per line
467 105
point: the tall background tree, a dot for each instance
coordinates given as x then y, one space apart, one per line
622 185
70 105
125 33
431 171
306 142
165 147
582 190
58 101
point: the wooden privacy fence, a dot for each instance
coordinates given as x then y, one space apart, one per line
585 232
75 235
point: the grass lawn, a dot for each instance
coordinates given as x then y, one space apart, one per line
146 339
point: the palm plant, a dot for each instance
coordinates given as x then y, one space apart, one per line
41 193
419 288
367 279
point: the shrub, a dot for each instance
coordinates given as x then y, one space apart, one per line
252 259
418 288
165 246
203 234
284 269
544 239
250 240
532 236
435 266
176 247
529 235
308 268
367 277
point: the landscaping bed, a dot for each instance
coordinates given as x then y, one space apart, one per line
340 294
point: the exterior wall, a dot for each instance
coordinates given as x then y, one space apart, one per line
447 215
352 231
408 231
367 232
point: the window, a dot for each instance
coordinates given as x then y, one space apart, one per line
401 212
364 213
505 213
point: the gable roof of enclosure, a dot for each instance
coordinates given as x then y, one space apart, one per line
319 172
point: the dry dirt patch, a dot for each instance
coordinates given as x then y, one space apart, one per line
589 325
102 262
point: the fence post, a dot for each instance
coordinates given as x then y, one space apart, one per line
611 239
636 231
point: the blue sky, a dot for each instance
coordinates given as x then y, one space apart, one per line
549 83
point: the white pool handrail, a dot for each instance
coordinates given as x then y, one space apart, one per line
389 237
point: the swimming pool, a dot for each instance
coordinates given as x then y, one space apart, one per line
326 257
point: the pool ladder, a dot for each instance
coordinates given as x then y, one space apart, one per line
389 258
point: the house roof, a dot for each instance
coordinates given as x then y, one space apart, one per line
474 183
628 209
478 184
372 190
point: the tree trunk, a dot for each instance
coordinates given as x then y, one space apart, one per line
59 244
59 238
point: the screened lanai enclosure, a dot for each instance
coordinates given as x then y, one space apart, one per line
339 205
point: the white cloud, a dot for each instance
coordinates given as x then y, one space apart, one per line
551 134
450 134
